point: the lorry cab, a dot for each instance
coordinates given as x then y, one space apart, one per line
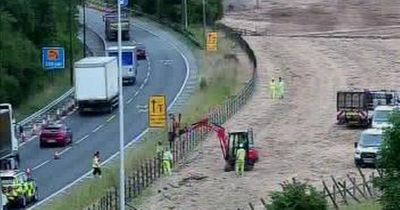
129 64
367 147
380 117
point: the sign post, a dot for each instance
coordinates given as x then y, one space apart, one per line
121 113
157 111
212 41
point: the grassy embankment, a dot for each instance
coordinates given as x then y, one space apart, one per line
367 205
221 76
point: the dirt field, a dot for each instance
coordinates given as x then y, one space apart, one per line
297 136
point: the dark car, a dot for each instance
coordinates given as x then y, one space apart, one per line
55 134
140 52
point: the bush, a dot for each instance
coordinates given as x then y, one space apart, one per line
389 164
203 83
297 196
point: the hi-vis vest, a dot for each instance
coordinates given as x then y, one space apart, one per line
167 155
240 154
95 163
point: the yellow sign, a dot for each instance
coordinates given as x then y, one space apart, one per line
157 111
212 41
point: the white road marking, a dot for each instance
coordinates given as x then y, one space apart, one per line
64 151
111 118
135 139
30 139
40 165
97 128
82 139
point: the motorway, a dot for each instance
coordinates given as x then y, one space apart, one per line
100 133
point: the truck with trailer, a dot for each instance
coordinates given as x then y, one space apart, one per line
129 62
110 19
9 152
355 108
96 84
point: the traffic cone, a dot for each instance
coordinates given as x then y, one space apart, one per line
56 155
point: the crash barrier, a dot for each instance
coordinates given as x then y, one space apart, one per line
150 170
55 111
353 189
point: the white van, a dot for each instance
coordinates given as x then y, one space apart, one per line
367 147
380 117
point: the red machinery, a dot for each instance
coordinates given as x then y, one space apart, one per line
230 142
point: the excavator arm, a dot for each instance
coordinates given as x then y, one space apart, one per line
221 133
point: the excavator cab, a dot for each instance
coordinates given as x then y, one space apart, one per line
234 140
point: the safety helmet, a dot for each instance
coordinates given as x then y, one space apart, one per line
241 145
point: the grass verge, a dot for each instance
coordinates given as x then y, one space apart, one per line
57 85
221 75
368 205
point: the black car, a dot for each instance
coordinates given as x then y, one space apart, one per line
141 52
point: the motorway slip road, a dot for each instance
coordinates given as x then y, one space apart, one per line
100 133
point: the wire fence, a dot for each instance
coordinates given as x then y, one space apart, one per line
151 169
339 193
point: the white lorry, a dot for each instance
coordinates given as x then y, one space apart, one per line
129 63
96 84
9 152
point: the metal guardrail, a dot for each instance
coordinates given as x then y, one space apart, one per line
55 110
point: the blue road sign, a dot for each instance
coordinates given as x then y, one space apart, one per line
53 58
123 3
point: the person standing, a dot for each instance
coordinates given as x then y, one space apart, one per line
272 89
240 160
96 164
167 161
281 88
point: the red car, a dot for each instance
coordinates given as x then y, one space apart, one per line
140 52
55 134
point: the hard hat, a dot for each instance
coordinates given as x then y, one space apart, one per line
241 145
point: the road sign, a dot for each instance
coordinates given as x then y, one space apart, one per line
157 111
212 41
53 58
123 3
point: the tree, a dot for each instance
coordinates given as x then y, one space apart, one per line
389 164
297 196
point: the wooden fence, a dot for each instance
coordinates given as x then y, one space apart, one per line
151 170
344 192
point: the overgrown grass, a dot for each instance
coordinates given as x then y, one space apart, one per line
58 84
220 76
368 205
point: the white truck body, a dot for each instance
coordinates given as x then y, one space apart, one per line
380 118
129 63
9 146
96 82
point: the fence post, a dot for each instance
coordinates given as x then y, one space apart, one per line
142 175
138 181
155 168
116 198
331 195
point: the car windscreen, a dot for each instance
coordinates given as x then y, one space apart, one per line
127 58
381 116
7 180
371 140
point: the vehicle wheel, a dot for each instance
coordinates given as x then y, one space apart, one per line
35 196
70 140
41 144
22 202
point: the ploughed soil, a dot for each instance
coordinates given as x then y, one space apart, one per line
295 136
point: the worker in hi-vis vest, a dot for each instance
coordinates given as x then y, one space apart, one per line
272 89
240 158
167 161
